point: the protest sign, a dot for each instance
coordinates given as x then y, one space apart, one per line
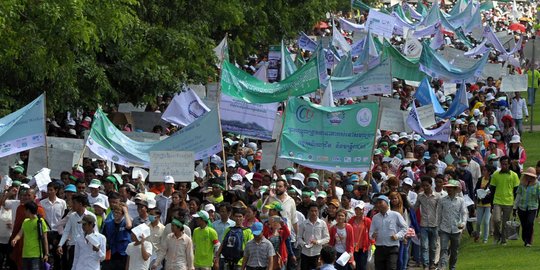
330 138
270 149
42 179
248 119
212 91
392 119
121 119
59 161
129 107
23 129
142 136
146 121
178 164
380 23
514 83
426 114
492 70
449 88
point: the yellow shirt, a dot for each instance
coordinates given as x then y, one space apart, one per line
536 78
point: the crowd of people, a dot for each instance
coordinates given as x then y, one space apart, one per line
411 209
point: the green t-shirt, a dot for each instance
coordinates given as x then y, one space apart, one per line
536 78
30 237
203 242
248 235
505 183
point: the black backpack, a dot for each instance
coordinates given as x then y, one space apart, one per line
233 249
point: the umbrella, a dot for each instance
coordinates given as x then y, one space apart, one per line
517 27
321 25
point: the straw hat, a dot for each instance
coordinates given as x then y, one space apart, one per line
530 172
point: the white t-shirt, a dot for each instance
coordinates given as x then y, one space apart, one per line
135 258
341 240
100 197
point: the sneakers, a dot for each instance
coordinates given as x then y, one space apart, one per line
528 245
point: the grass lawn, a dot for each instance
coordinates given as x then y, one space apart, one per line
490 256
531 142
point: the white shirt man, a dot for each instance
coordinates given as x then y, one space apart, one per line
54 211
90 249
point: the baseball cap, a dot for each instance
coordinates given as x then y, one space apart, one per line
100 204
94 183
99 172
202 214
70 188
360 204
231 163
256 228
168 179
209 207
236 177
383 198
88 219
408 181
322 194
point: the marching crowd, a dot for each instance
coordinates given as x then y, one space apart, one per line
411 209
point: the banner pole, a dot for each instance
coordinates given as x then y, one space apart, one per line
280 132
223 156
45 123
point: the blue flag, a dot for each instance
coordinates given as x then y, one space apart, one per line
23 129
459 105
425 96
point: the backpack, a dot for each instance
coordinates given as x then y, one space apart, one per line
233 241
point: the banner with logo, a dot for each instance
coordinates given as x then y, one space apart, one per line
185 108
23 129
330 138
248 119
202 137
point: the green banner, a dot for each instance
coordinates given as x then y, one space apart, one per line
242 85
330 138
402 67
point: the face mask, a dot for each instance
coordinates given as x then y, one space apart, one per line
349 188
312 184
498 138
249 158
325 185
151 218
288 177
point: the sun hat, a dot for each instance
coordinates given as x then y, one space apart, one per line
530 172
410 156
515 139
94 183
313 176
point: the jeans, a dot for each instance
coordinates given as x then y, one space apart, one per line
32 264
360 258
403 259
428 238
386 257
531 95
519 125
527 224
483 215
501 214
449 244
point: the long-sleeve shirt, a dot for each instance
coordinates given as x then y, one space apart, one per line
288 212
178 251
349 239
452 213
527 197
54 210
518 107
73 229
86 258
313 231
428 209
388 224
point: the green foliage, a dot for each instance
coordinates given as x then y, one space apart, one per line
85 53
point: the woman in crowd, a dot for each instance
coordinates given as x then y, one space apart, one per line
400 204
362 243
526 203
342 239
483 204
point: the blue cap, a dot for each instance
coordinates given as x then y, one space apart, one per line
354 178
70 188
384 198
256 228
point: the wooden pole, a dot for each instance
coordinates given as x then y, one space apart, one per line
223 156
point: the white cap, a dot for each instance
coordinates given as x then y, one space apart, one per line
151 203
100 204
168 179
87 119
99 172
476 112
202 214
231 163
236 177
252 145
209 207
359 204
215 159
408 181
72 132
515 139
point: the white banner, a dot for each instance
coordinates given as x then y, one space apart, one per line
514 83
59 161
426 114
380 23
392 119
178 164
248 119
185 108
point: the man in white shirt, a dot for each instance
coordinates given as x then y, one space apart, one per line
90 247
54 211
312 235
518 107
95 196
164 199
73 229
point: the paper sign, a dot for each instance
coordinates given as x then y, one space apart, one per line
141 231
449 88
136 171
514 83
42 179
59 161
413 48
426 114
492 70
146 121
392 119
178 164
380 23
386 102
129 107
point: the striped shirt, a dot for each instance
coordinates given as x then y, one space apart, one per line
257 253
527 197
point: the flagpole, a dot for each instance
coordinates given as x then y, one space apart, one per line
223 156
283 115
45 123
379 114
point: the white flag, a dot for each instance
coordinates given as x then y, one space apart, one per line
185 108
262 73
222 51
328 98
339 40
